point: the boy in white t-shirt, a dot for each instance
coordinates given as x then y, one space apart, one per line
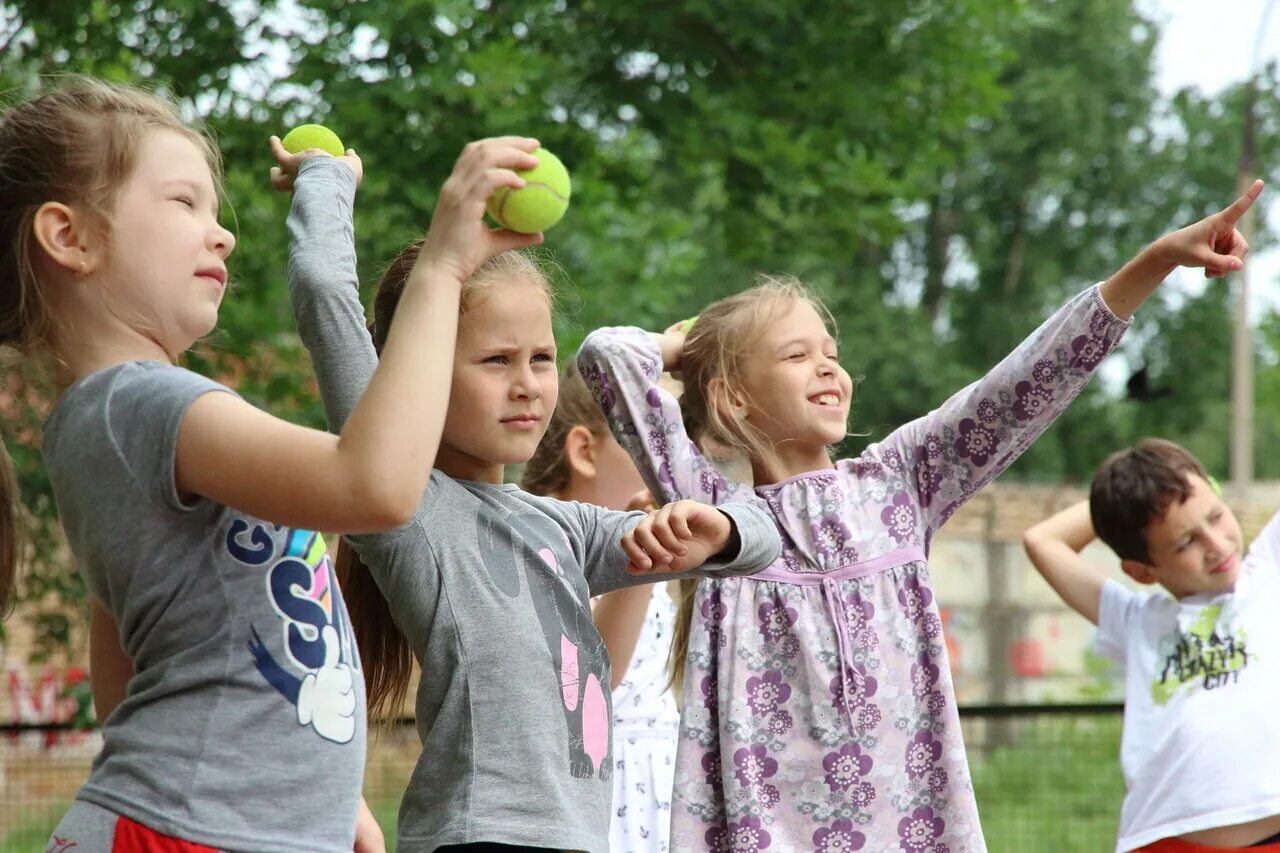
1201 745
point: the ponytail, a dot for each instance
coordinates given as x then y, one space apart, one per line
384 651
679 654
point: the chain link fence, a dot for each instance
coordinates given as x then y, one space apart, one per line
1047 777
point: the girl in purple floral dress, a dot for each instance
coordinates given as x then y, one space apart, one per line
819 712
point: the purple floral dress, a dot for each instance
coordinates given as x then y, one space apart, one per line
819 712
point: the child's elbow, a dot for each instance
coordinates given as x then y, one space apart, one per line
1031 542
398 512
401 503
386 504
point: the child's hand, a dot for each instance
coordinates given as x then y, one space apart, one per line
671 343
286 171
679 537
1212 243
459 241
642 501
369 837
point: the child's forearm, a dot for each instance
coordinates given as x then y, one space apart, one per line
395 429
1128 288
324 289
388 411
1072 527
1054 547
619 617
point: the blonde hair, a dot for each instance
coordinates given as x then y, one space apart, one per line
384 650
715 353
547 472
75 144
503 267
711 364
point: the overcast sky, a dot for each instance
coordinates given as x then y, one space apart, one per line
1211 45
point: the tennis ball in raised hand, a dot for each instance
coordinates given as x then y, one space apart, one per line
306 136
540 203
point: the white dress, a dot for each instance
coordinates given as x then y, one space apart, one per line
646 726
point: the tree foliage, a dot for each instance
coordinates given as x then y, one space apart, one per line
944 172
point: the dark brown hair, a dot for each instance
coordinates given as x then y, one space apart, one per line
1135 487
384 650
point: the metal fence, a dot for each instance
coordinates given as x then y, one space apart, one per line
1047 777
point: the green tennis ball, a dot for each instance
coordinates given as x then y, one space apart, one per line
686 326
306 136
541 202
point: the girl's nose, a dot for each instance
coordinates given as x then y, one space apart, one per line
223 241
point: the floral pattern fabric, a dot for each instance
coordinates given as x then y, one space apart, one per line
819 712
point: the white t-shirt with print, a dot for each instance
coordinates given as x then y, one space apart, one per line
1201 744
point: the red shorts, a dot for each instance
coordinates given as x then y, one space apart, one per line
133 837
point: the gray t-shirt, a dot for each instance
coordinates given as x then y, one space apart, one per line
244 725
491 587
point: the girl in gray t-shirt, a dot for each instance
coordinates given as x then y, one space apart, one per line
243 725
487 586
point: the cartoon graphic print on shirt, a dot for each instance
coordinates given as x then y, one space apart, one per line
316 634
533 545
1205 653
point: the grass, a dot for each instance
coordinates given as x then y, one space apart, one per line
1054 787
1044 785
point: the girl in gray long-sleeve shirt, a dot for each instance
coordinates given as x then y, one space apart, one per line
488 586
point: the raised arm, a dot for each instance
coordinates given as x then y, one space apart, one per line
1054 546
324 286
372 475
949 454
622 366
952 452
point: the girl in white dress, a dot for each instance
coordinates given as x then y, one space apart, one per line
579 460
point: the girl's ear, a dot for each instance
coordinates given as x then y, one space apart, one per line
67 238
580 452
727 402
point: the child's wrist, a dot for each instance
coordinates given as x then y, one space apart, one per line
309 164
435 273
730 539
1160 256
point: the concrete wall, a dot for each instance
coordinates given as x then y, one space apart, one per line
1011 638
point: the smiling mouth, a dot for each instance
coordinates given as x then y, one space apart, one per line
1224 566
827 400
